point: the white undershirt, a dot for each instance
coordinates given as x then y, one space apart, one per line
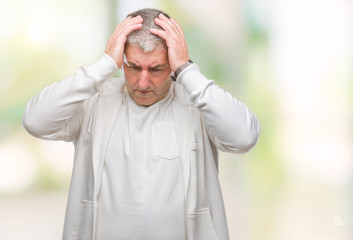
141 195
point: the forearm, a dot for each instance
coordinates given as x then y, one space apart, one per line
49 112
231 125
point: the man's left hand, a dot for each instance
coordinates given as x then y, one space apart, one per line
175 40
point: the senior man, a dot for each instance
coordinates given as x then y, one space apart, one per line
146 143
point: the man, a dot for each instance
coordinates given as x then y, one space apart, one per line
146 163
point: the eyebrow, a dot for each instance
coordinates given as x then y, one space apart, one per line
162 65
131 63
159 66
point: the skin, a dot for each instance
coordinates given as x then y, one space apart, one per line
147 75
146 85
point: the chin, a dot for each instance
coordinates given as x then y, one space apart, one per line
144 102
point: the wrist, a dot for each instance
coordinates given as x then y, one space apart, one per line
181 68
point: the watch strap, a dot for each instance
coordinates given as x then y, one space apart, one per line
181 68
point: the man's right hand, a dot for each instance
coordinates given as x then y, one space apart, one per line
116 42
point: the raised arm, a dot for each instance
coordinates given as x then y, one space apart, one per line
56 112
231 125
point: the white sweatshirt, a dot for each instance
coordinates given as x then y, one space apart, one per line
142 187
83 109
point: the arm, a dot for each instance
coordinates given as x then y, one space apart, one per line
56 112
231 125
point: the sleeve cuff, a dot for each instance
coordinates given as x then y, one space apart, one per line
103 69
193 80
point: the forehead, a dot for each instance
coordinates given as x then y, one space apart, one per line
137 56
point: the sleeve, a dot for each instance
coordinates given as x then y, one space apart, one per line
231 126
56 112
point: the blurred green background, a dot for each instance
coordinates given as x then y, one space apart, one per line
289 61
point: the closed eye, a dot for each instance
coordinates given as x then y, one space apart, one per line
136 68
133 67
156 70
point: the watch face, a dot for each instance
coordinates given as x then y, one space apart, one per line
172 76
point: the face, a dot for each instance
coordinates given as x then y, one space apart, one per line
147 74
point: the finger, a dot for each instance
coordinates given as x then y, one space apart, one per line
122 34
162 24
121 24
159 33
115 45
166 24
125 30
128 22
180 30
176 27
169 30
130 27
164 18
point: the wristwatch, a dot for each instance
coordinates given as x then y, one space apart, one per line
181 68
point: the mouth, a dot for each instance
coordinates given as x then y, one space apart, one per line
143 91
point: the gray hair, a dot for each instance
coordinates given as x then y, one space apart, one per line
143 38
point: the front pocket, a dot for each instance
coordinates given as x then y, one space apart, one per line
84 226
164 141
201 225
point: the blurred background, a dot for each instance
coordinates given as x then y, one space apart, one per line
290 61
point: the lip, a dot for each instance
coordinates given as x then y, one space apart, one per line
143 92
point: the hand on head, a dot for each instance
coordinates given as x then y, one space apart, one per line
116 42
175 40
171 32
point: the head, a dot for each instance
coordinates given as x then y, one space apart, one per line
146 65
143 37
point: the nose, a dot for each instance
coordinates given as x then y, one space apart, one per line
144 80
